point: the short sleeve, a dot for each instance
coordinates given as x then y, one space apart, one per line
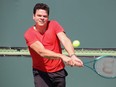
30 37
58 27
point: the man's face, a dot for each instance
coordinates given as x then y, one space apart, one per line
41 17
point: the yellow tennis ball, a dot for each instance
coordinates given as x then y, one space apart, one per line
76 43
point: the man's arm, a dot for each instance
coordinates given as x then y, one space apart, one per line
39 48
69 48
66 43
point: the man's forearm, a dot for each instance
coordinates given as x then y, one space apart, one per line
68 47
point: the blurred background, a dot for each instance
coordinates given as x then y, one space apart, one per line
92 22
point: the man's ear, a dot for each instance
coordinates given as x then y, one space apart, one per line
33 17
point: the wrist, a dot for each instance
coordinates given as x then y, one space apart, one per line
72 55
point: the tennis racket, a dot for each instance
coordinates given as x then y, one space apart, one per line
104 66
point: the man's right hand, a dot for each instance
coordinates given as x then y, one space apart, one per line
72 62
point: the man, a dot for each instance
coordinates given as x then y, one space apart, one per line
43 40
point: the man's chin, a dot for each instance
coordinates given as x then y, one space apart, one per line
41 25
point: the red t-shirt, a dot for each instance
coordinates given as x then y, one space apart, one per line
50 41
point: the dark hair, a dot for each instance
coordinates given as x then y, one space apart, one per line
41 6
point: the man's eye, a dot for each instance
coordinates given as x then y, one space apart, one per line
39 15
45 16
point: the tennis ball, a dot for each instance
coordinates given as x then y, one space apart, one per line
76 43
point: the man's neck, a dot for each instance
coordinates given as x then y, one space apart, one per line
40 29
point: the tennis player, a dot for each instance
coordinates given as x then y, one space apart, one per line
43 40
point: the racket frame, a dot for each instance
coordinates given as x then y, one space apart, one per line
94 61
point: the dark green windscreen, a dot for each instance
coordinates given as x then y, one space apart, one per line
17 72
93 22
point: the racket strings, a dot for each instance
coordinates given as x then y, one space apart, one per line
106 67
